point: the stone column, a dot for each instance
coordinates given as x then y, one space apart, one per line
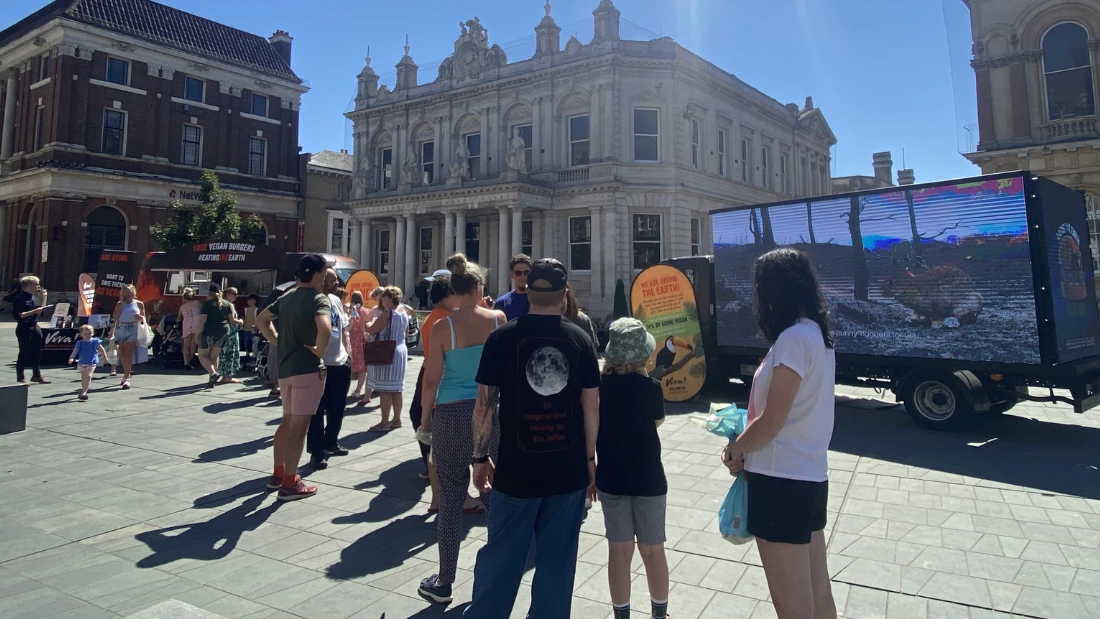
8 136
397 254
517 229
985 107
437 172
1021 110
597 255
496 139
503 245
460 231
595 126
448 234
485 150
365 258
612 246
489 238
537 250
353 239
536 135
548 248
412 253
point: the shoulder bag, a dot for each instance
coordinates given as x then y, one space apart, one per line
381 351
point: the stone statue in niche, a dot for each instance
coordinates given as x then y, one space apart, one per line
460 167
361 180
517 153
410 172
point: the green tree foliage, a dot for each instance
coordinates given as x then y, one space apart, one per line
215 218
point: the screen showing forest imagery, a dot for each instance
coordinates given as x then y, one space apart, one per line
940 272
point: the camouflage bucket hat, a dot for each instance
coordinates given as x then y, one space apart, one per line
629 342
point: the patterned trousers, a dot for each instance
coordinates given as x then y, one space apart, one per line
452 446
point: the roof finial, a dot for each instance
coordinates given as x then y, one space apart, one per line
406 44
547 8
368 55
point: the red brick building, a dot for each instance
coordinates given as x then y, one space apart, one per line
112 108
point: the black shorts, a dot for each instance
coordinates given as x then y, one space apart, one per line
786 511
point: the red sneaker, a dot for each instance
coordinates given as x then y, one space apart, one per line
298 492
274 482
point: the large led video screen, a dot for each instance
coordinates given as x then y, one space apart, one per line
933 273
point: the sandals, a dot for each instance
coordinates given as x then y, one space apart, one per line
379 427
394 426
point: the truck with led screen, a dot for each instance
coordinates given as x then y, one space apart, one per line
956 295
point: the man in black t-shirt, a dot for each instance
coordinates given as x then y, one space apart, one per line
543 371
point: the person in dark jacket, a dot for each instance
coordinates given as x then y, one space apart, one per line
25 310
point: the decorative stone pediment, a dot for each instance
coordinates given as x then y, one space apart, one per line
424 131
519 114
574 46
469 124
473 57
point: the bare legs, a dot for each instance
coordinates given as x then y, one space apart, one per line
620 555
798 578
126 357
390 401
290 440
208 358
190 343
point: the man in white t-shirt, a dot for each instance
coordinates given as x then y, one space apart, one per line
324 428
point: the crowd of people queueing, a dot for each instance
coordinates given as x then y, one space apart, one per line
524 401
515 390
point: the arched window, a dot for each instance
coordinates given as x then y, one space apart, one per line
106 230
1067 68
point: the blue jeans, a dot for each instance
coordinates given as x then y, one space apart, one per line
555 523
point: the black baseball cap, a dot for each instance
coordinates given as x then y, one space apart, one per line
547 275
310 265
213 289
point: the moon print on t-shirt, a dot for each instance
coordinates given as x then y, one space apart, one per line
547 371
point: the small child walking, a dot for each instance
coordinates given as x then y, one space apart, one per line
629 475
86 355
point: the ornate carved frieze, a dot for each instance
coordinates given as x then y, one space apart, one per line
198 66
39 41
266 85
470 124
122 46
1007 60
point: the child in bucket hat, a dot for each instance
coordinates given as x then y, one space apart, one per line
629 476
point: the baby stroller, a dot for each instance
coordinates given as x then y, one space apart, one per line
170 351
261 361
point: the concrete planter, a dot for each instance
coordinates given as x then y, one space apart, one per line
13 413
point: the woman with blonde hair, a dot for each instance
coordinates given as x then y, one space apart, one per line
388 379
188 318
450 389
128 317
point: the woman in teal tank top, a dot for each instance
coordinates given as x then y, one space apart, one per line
450 388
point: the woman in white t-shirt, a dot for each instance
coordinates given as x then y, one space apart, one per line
784 449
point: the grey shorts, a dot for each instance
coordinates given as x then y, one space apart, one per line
630 518
206 342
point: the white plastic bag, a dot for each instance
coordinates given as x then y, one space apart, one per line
144 335
112 354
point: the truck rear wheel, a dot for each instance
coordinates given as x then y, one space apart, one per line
937 401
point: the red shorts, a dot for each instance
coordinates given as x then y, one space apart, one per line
301 394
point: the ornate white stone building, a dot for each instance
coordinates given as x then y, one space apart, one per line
607 155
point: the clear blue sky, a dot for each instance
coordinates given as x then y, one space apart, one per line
882 72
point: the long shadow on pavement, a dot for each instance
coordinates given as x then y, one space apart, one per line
388 547
221 407
239 450
1009 449
208 540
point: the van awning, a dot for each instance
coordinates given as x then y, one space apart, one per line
221 256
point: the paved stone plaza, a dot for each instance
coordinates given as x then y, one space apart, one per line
135 498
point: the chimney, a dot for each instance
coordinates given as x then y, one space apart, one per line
906 177
281 41
809 103
884 168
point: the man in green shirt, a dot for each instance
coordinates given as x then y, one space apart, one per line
305 327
